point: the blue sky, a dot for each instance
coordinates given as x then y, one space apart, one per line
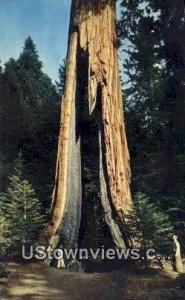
46 21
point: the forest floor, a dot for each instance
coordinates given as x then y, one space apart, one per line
36 281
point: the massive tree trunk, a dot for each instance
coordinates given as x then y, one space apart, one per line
92 91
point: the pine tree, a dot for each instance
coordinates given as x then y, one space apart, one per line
41 105
29 119
29 59
154 65
4 241
61 82
144 92
154 226
22 211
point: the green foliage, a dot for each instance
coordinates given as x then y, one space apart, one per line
4 239
150 226
61 82
21 214
176 211
29 62
151 35
29 118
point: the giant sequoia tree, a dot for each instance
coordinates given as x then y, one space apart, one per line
92 99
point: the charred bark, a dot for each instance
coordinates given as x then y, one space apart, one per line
92 88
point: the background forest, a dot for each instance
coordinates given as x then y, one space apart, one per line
152 64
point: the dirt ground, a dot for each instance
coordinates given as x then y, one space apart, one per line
37 281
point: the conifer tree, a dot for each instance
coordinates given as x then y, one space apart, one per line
153 225
22 211
153 33
61 73
29 118
4 241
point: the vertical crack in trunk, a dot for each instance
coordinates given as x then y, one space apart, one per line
108 211
66 199
93 34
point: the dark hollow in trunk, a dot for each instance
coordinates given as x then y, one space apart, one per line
91 112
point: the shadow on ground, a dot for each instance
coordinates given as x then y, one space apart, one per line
37 281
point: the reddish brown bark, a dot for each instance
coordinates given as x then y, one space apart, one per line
92 38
